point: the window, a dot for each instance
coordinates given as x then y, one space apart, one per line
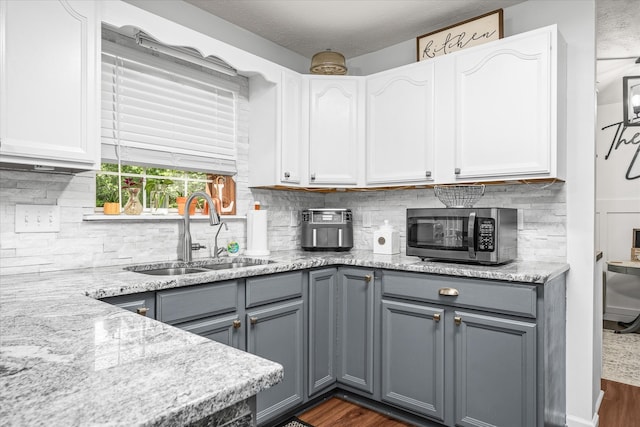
110 180
163 120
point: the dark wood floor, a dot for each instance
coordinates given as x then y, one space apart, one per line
620 406
339 413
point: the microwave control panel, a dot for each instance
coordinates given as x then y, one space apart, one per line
486 235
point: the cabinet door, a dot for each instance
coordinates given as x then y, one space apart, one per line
400 137
355 328
334 131
48 96
291 128
504 106
495 371
322 329
413 357
276 333
143 303
224 329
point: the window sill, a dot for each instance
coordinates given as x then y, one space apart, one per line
147 217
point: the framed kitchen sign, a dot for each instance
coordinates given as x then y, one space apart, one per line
472 32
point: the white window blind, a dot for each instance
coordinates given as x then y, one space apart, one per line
156 114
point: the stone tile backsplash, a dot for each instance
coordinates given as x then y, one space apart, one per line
79 244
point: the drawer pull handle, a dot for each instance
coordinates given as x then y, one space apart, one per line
253 320
457 320
450 292
142 311
367 278
436 317
237 324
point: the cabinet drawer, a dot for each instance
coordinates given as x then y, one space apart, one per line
143 303
501 297
184 304
263 290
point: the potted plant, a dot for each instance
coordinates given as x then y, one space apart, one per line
158 194
132 186
108 194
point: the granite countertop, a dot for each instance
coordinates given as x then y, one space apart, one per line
68 359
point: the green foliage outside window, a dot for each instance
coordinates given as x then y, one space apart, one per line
175 182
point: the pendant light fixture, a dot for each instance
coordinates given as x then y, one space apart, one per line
328 62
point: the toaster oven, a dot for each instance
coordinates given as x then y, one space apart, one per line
327 229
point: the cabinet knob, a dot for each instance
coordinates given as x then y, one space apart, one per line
253 320
287 175
436 317
237 324
313 177
457 171
368 278
449 292
142 311
427 174
457 320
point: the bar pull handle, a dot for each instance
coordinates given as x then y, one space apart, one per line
448 292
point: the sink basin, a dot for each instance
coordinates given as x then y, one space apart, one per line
235 264
173 271
181 268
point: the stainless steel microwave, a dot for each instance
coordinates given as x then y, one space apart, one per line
476 235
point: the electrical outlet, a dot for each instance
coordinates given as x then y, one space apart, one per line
37 218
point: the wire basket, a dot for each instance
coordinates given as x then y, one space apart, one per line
459 196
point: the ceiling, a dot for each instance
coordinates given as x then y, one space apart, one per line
351 27
357 27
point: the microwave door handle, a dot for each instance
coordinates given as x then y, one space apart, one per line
471 235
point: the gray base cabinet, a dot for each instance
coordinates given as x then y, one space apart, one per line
473 353
322 329
413 357
276 330
276 333
212 310
494 371
355 316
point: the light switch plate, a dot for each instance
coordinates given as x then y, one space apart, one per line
37 218
294 221
366 219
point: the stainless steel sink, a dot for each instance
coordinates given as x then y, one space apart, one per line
234 264
172 271
181 268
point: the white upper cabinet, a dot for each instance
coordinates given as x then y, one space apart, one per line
335 130
292 119
400 125
505 115
48 97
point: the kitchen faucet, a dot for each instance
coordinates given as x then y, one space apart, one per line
185 246
217 251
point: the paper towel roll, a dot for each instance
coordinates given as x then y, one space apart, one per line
257 244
